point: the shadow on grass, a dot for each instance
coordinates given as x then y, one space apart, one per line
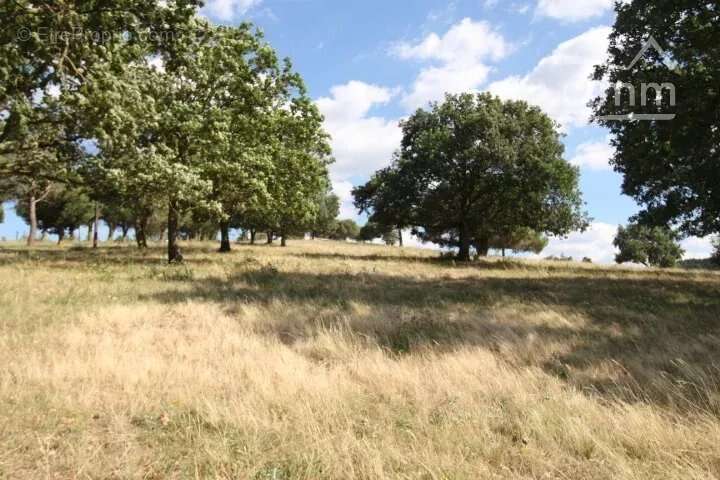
646 336
660 336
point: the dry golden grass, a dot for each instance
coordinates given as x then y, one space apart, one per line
338 361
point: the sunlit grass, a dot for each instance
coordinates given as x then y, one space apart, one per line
329 360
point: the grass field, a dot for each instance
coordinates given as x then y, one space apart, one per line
336 361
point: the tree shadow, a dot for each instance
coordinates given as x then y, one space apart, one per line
644 339
644 336
498 263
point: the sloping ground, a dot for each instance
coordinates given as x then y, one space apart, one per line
338 361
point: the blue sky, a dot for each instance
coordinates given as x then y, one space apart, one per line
369 63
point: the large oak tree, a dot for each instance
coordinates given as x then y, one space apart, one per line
671 168
474 167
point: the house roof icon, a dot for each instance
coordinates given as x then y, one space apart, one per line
650 43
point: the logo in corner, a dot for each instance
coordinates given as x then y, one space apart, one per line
657 87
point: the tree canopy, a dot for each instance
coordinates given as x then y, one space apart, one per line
668 167
475 167
650 246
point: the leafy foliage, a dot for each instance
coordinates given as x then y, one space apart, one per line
328 211
520 240
475 167
345 229
371 231
650 246
62 212
669 167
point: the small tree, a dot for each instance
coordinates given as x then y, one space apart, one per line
372 230
650 246
385 199
345 229
328 211
63 211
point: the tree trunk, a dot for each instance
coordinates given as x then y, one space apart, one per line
269 238
252 236
125 230
140 232
43 235
162 234
464 252
174 255
283 240
61 236
33 221
400 237
225 237
111 231
483 246
91 227
503 252
96 226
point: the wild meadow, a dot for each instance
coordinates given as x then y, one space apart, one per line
329 360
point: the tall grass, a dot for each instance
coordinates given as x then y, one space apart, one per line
335 361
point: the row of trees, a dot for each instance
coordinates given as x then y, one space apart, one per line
134 111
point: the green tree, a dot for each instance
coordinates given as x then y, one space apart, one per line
149 124
328 211
668 167
345 229
243 85
63 211
650 246
384 198
520 240
475 166
48 51
300 160
371 231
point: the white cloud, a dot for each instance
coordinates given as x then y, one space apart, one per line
465 42
697 247
595 243
343 189
361 143
560 83
432 83
460 55
228 10
594 155
573 10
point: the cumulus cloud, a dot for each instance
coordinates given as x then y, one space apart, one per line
595 243
560 82
594 155
343 189
459 58
228 10
361 143
697 247
573 10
